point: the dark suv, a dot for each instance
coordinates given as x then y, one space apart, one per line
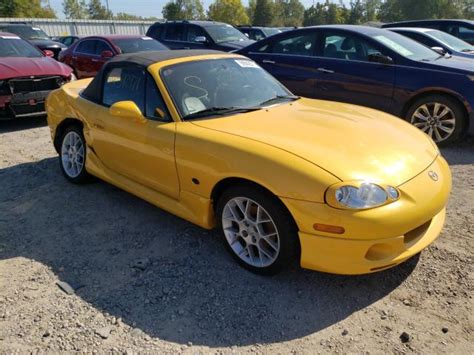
463 29
35 36
198 35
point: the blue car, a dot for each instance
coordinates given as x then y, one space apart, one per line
376 68
463 29
437 40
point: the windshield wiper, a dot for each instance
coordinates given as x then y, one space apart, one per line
220 111
279 97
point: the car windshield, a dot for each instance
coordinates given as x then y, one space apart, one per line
221 85
27 32
451 41
406 47
138 44
225 33
12 46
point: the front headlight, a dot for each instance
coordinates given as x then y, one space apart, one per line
361 195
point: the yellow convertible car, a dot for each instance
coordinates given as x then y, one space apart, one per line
216 140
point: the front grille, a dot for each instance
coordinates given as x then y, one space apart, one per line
35 84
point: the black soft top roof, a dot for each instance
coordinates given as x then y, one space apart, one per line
93 91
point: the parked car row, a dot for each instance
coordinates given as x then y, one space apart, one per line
429 83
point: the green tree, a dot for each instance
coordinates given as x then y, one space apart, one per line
183 10
75 9
251 10
229 11
263 13
25 8
97 11
288 13
126 16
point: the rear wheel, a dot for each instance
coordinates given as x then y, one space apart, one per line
257 229
441 117
72 155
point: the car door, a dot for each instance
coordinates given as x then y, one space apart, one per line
82 58
142 152
97 61
290 59
348 75
174 35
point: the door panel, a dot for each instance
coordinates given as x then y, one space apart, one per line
346 74
142 151
290 59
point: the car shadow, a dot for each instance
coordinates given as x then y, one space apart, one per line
21 124
461 153
162 275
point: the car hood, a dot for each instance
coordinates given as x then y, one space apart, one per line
11 67
454 63
237 44
350 142
46 43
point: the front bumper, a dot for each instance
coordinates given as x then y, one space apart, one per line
378 238
23 104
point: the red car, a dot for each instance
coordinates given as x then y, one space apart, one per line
27 75
87 55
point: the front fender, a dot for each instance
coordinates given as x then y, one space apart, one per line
204 157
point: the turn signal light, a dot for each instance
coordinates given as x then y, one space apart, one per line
328 228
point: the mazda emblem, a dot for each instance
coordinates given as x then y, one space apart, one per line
433 175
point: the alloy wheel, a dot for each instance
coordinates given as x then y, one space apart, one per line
72 154
250 232
435 119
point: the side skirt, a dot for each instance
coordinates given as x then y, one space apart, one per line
191 207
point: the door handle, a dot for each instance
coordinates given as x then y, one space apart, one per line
326 71
267 61
94 60
74 58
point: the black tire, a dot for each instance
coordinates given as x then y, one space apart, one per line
460 116
83 176
289 250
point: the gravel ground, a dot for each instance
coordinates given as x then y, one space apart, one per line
135 278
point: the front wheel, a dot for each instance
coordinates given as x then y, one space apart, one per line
441 117
72 158
257 229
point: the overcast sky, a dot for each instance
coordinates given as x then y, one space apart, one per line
142 7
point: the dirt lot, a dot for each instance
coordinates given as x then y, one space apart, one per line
145 280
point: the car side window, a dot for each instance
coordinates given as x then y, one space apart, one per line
155 107
294 45
67 41
420 38
125 84
257 35
155 31
101 46
347 46
193 32
174 32
86 47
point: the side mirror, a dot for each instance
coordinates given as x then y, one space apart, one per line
380 58
48 53
127 109
439 50
106 54
200 39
